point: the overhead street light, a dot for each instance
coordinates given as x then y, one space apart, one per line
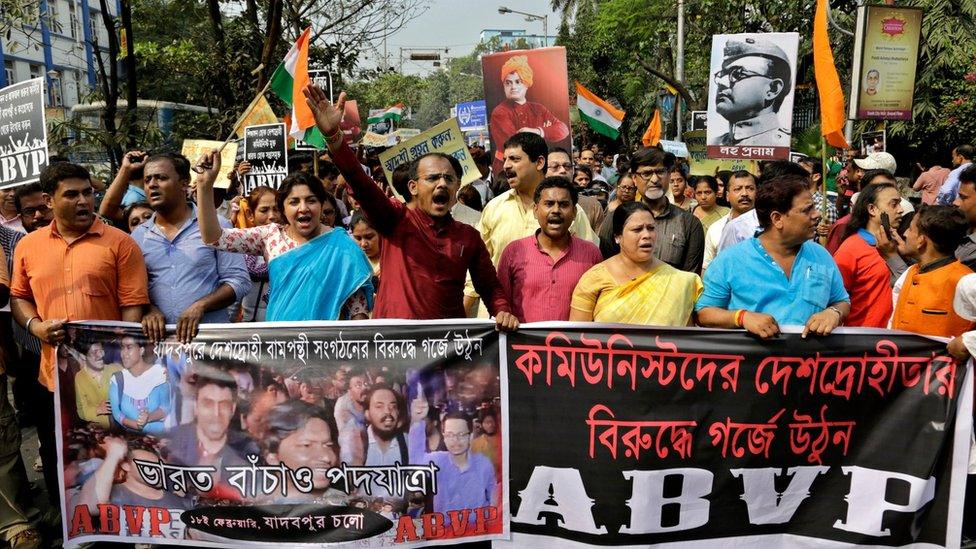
530 17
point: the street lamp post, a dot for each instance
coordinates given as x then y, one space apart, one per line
531 16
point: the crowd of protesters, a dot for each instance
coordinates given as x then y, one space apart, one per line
582 235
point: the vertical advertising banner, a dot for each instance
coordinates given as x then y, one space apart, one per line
266 149
256 435
23 133
527 90
645 437
886 49
750 95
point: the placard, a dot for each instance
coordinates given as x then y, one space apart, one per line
445 137
193 149
265 149
527 90
750 95
23 133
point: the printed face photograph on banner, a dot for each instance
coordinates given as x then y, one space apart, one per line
527 90
368 433
750 95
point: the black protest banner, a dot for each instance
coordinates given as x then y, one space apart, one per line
266 149
255 435
23 133
637 436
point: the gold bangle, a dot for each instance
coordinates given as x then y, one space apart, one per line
335 136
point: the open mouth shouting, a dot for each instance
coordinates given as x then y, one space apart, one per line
441 198
305 222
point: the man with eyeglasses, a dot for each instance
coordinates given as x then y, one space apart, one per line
680 236
427 253
465 479
560 164
754 81
23 363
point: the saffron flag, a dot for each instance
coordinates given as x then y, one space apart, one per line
653 133
258 113
287 82
832 116
604 118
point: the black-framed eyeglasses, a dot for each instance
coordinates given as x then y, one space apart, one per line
651 172
735 74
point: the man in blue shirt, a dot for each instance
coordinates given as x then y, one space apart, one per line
962 157
465 479
780 276
189 282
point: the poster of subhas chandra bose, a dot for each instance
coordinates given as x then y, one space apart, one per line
750 95
23 133
258 435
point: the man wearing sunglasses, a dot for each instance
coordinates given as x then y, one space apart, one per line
754 81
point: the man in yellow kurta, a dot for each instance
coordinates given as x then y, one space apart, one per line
509 216
91 385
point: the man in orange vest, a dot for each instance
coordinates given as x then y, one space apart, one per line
923 295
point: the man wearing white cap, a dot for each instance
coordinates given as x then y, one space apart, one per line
880 161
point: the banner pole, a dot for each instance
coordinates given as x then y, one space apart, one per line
233 130
823 181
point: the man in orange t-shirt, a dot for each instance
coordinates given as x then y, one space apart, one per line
76 268
862 266
922 296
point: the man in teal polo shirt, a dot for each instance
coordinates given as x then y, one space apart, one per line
747 285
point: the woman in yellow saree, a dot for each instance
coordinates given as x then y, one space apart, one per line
634 287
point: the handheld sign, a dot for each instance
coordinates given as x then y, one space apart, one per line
445 137
23 133
193 149
265 148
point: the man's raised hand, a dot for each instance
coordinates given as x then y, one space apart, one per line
327 115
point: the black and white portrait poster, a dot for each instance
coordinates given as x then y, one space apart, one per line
750 95
265 149
699 120
23 133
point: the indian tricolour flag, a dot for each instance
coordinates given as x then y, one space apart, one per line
287 83
390 113
603 117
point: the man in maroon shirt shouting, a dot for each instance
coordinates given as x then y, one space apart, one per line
426 253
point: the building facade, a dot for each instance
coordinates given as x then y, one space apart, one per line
60 47
510 39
